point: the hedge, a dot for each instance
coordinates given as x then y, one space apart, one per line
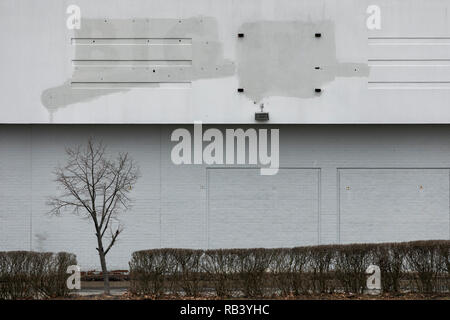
34 275
420 266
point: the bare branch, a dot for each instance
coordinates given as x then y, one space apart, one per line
113 239
95 185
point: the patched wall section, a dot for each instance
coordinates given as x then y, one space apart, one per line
111 55
273 58
290 59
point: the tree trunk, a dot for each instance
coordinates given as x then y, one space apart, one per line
101 253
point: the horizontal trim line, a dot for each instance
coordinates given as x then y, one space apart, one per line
408 60
129 85
393 168
147 38
128 60
131 41
107 82
408 81
408 38
131 63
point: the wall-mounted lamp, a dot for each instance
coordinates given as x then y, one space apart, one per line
261 116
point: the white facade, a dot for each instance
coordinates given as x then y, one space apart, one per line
137 70
103 72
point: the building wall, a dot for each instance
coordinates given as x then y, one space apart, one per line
178 61
337 184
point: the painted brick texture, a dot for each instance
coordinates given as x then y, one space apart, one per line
199 206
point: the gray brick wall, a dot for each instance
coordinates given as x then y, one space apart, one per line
197 206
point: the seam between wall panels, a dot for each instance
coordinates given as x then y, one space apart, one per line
319 206
160 186
207 209
31 187
338 205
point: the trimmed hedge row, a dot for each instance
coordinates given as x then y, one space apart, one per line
420 266
26 275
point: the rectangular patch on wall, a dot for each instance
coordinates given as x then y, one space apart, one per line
390 205
248 210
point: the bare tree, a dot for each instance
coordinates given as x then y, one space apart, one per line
96 186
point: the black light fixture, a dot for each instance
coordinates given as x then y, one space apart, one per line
240 89
262 116
240 35
317 90
318 35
